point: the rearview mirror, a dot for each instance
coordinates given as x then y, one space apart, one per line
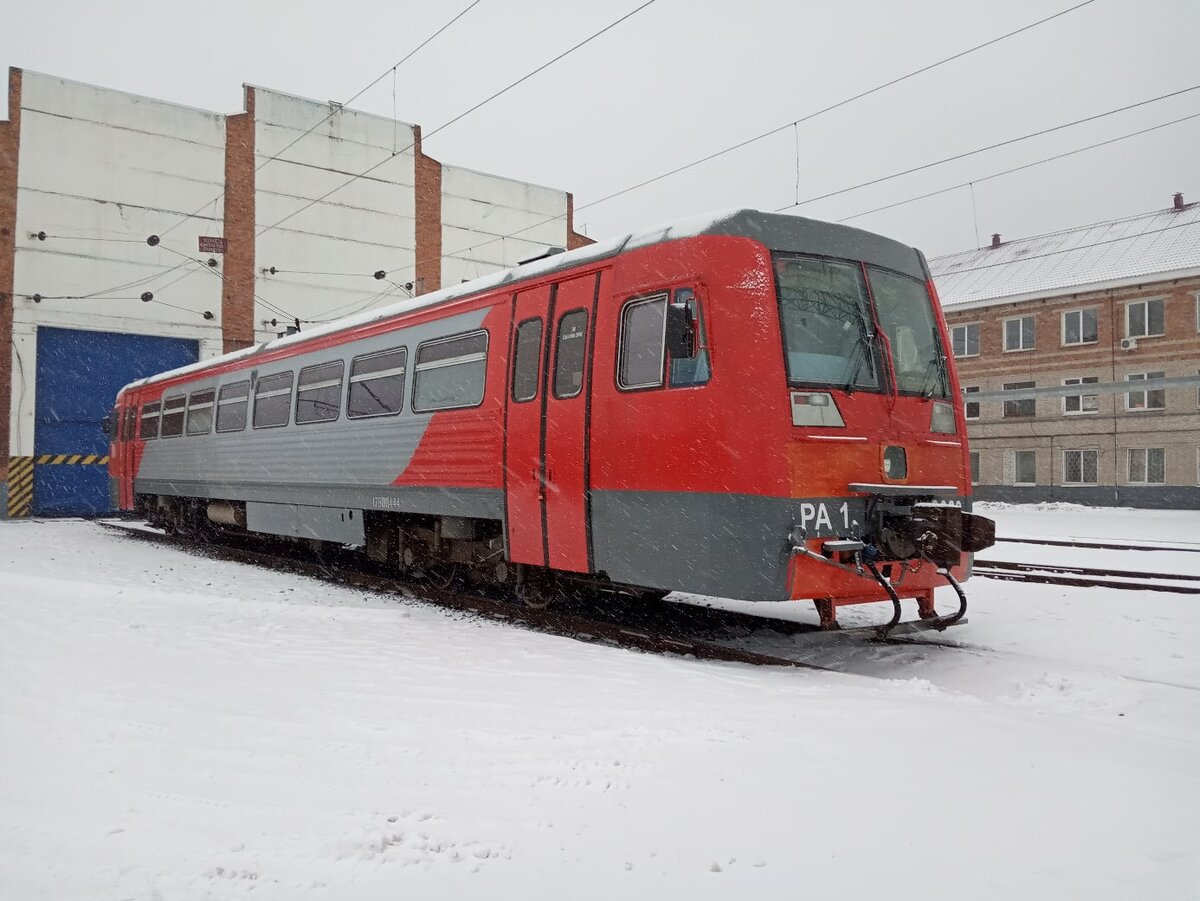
681 332
106 425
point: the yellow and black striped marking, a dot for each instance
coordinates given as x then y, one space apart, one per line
71 459
20 486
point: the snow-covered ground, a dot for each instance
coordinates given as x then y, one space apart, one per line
173 727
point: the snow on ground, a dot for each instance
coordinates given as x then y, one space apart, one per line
174 727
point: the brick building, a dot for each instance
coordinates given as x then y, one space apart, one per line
1111 305
137 235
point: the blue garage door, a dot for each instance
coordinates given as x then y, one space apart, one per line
78 377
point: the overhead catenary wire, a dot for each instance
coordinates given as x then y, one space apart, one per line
463 115
391 70
978 150
833 106
793 124
1030 165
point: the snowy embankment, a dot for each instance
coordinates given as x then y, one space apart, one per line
182 728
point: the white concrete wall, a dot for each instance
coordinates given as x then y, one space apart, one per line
477 209
370 224
99 172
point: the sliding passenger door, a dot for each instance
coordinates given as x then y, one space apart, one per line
566 400
525 519
547 421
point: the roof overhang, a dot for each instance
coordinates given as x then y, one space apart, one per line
1150 278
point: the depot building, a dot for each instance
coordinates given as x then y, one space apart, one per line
138 235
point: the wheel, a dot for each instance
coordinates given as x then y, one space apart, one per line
537 590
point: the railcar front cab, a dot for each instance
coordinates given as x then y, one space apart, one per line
876 436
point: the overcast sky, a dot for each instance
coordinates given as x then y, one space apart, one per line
685 78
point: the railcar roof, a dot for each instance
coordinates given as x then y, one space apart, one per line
776 231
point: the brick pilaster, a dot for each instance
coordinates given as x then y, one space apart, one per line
428 275
574 239
10 144
237 292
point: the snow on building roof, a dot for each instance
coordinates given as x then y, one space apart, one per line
1150 247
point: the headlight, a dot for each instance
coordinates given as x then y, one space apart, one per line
815 408
942 419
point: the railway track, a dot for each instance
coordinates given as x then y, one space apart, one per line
1084 577
1183 548
706 633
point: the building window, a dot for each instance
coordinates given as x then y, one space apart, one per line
273 400
1019 409
200 412
974 467
1074 404
231 407
1025 468
1080 467
971 407
377 384
450 373
1079 327
570 354
1144 319
1155 399
1147 466
964 340
149 427
319 392
1018 333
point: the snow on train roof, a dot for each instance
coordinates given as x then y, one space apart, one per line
683 228
746 222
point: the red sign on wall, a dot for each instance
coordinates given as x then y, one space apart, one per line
211 245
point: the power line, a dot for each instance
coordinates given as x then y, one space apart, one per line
278 311
978 150
833 106
1048 159
464 114
793 124
333 112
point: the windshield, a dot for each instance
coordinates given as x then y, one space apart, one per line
906 316
826 319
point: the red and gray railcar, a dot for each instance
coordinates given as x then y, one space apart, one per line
753 406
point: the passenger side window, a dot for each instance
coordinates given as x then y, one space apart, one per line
450 372
272 400
319 392
643 326
694 370
377 384
200 412
231 407
172 416
527 357
149 426
570 354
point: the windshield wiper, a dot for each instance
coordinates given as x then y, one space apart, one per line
865 339
936 368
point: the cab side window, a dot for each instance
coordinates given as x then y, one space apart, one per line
643 361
